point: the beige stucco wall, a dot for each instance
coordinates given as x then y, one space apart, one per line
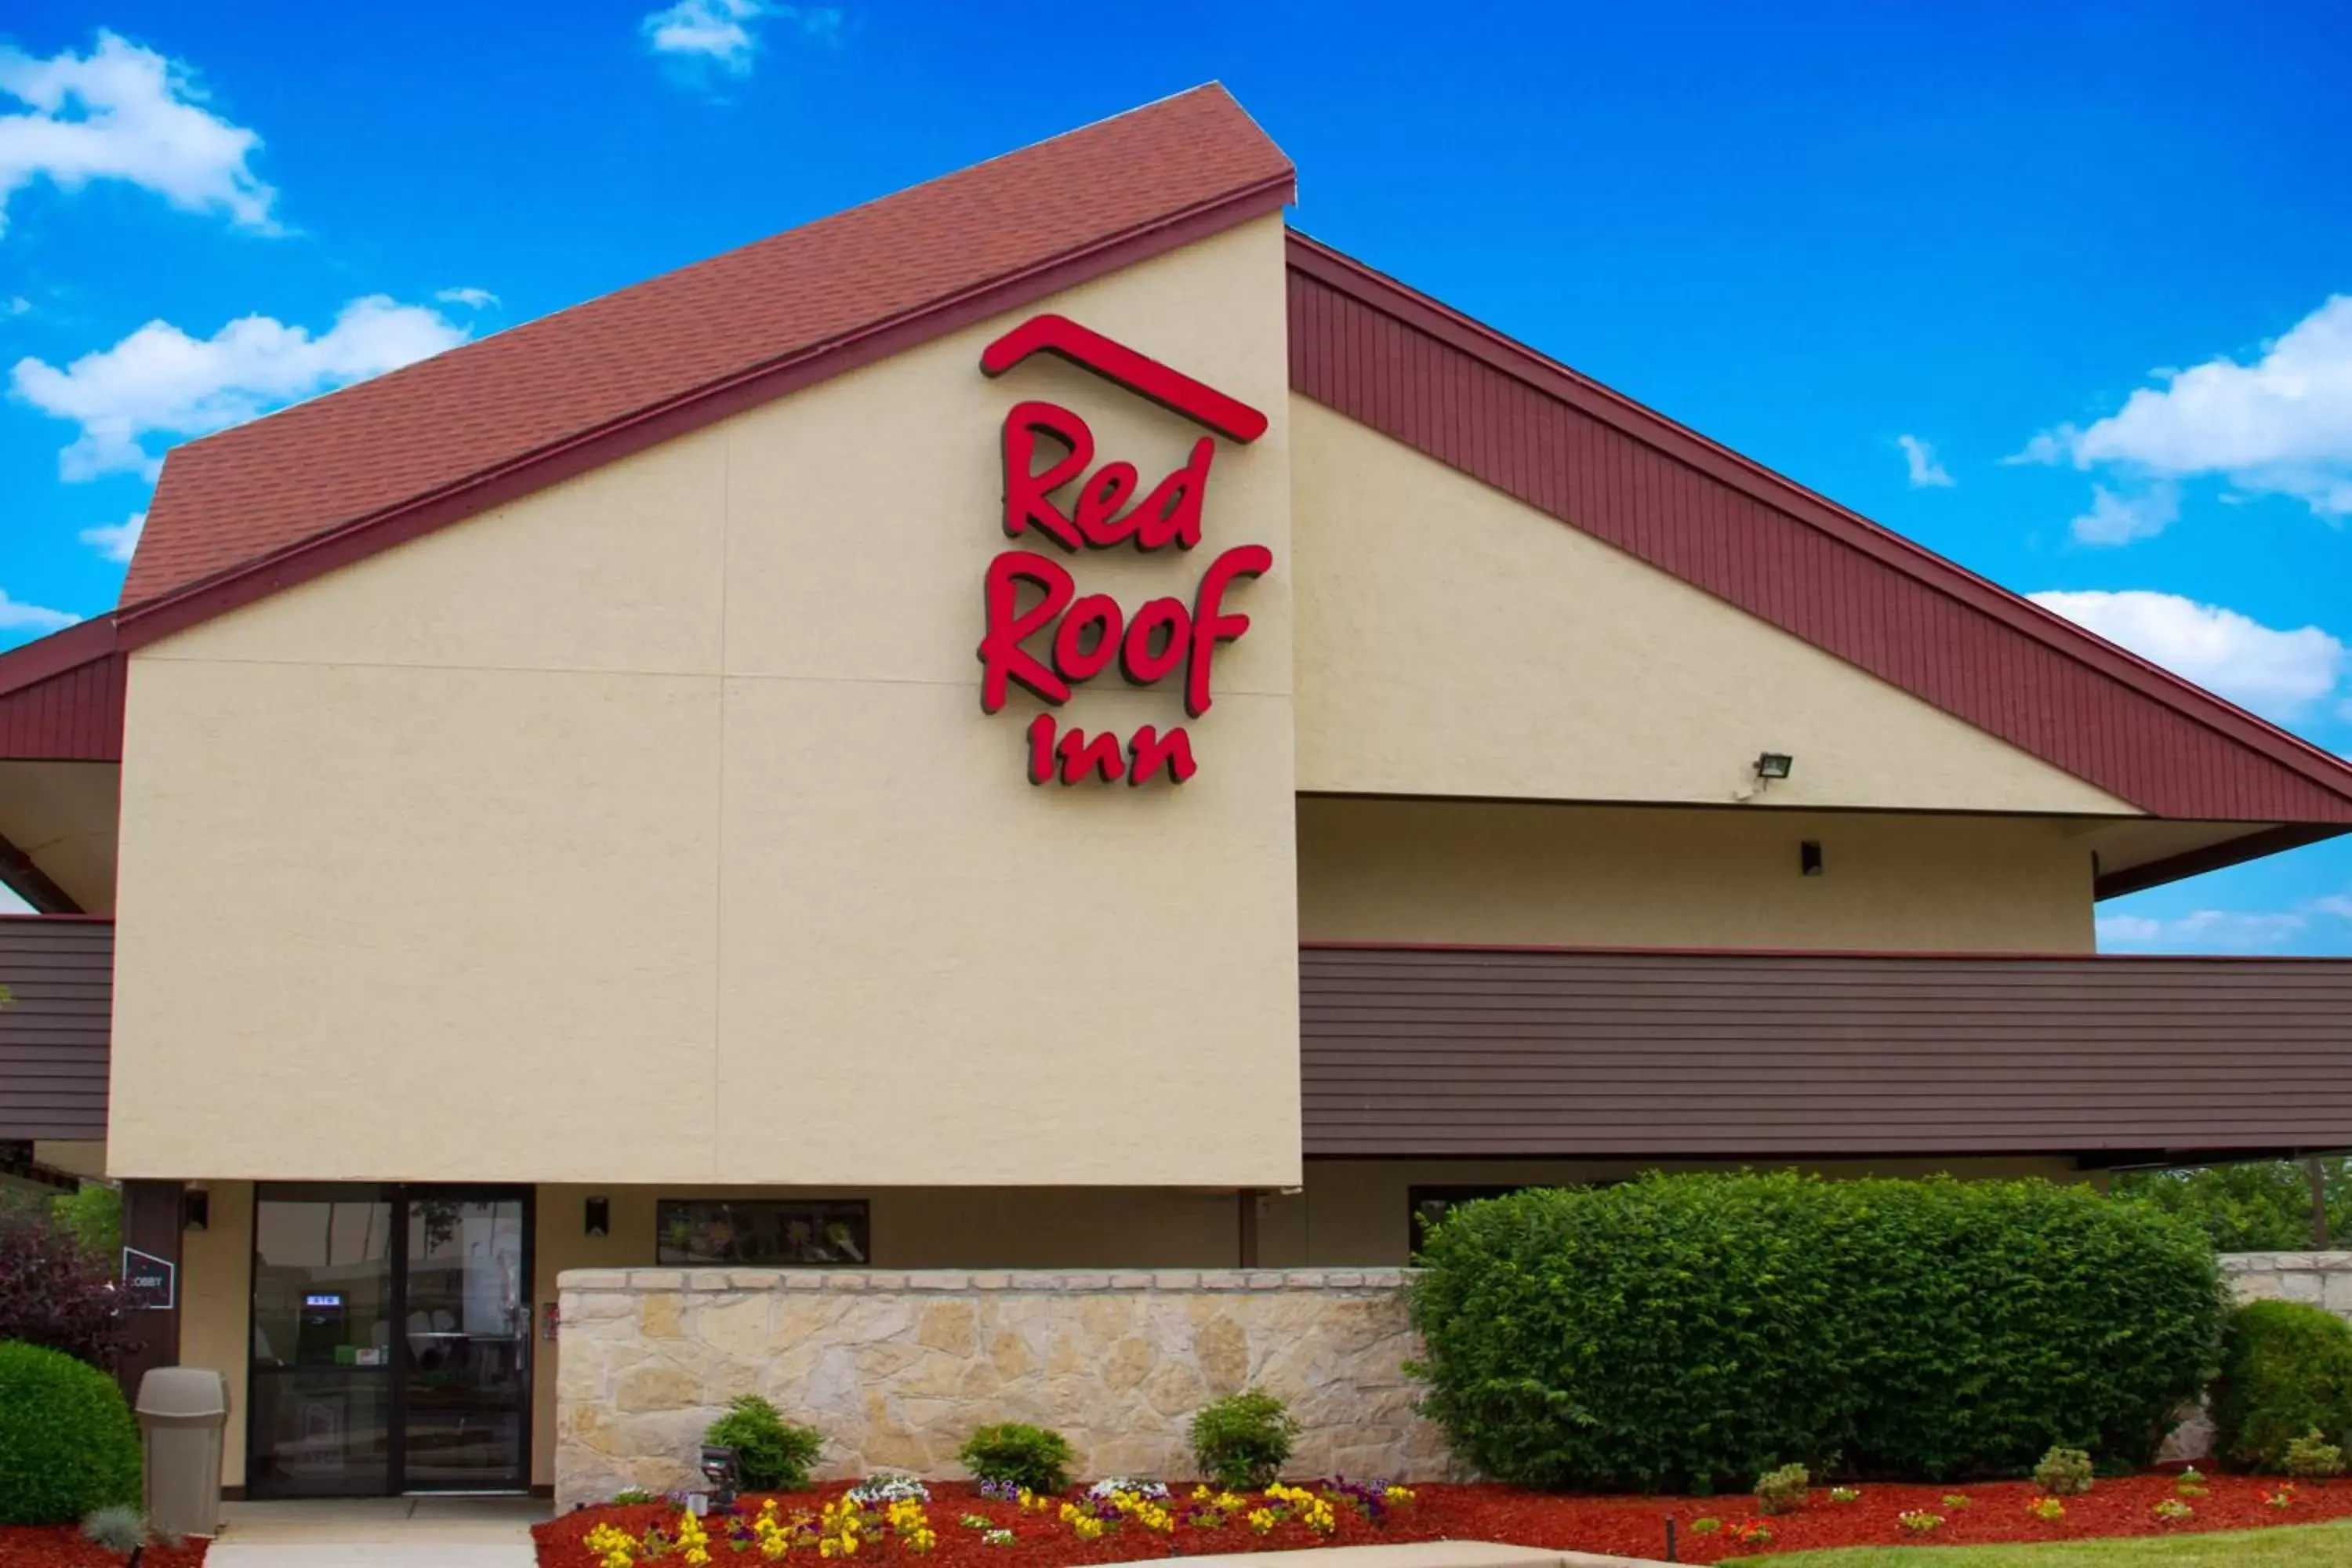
1462 871
666 793
216 1306
1453 641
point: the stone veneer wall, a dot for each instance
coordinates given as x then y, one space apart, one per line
897 1369
2322 1278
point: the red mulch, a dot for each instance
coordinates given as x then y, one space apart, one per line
61 1546
1633 1527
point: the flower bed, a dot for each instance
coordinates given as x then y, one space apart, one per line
61 1546
968 1528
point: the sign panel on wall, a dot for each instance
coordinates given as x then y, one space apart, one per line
150 1283
1040 632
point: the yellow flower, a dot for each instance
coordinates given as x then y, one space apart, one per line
1261 1519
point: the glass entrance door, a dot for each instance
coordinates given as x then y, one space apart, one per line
465 1344
391 1341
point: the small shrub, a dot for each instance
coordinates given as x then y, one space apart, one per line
1845 1494
1957 1501
1033 1457
2312 1458
2064 1472
1243 1439
629 1497
2172 1511
2048 1510
2190 1482
1919 1521
772 1454
1705 1526
53 1294
2287 1369
120 1529
1782 1490
2283 1498
1753 1532
68 1444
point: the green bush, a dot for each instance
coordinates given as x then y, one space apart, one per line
2064 1472
771 1454
1243 1439
68 1444
1782 1490
1682 1333
2312 1458
2287 1369
1014 1453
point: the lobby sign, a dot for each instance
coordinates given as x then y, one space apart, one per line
1040 633
151 1283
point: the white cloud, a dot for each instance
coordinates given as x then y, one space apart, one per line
2281 424
2116 519
123 112
2211 931
22 617
472 298
160 381
15 305
2279 674
723 33
2223 930
117 541
1926 472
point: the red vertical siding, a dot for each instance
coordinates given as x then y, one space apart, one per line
74 716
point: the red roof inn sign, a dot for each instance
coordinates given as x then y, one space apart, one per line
1045 636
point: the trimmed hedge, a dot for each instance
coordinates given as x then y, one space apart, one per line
2287 1369
68 1445
1684 1332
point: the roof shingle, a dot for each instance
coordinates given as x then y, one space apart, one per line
230 499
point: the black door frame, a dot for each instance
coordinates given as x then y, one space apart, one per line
399 1196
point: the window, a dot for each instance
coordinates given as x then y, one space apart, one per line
1424 1206
1427 1206
761 1233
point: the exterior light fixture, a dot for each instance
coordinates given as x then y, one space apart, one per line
1774 765
718 1468
597 1217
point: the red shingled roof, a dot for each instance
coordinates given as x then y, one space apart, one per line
989 237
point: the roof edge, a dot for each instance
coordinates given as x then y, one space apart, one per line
1337 269
2236 851
1831 954
146 622
69 647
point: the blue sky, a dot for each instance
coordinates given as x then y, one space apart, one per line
2062 292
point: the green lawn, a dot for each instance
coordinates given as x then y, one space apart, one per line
2305 1546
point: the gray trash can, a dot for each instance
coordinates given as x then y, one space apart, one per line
182 1410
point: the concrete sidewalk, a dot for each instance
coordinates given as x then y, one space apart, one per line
379 1532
